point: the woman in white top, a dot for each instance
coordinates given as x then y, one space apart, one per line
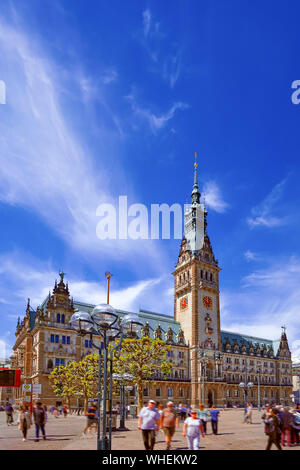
24 421
191 430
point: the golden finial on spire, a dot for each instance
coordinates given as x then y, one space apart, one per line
195 164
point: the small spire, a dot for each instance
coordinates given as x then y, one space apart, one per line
195 194
283 335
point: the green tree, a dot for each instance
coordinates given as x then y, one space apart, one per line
63 382
144 359
86 377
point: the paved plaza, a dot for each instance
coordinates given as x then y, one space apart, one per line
66 434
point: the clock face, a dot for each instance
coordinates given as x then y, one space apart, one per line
183 303
207 302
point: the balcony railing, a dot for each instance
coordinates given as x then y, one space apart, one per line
169 379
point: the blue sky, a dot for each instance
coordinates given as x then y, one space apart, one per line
113 98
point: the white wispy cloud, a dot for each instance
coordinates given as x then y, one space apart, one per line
45 166
23 276
251 256
296 351
262 214
172 67
213 197
155 121
110 75
267 299
146 21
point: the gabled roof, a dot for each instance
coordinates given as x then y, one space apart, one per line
246 339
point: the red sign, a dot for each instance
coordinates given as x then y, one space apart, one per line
10 377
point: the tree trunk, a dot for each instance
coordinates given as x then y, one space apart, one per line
140 396
86 403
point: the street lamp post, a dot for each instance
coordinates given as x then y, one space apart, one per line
103 322
123 378
258 390
246 386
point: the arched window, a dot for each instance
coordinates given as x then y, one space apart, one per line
58 318
63 318
50 364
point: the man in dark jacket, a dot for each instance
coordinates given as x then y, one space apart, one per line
9 413
286 419
273 429
39 420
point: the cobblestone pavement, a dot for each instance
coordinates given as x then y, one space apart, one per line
66 434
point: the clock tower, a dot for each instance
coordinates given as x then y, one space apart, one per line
196 279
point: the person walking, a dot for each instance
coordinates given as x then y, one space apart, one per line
91 419
24 420
273 429
160 408
39 420
204 415
248 415
168 422
46 415
65 411
295 427
148 423
286 419
191 430
214 415
9 414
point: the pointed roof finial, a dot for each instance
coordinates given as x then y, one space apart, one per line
195 194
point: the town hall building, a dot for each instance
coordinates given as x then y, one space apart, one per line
209 364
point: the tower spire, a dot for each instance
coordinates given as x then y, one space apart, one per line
195 194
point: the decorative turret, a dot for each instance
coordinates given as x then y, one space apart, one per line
18 328
146 330
283 350
169 336
180 338
158 332
28 308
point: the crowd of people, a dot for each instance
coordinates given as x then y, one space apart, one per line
154 416
36 415
281 423
282 426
